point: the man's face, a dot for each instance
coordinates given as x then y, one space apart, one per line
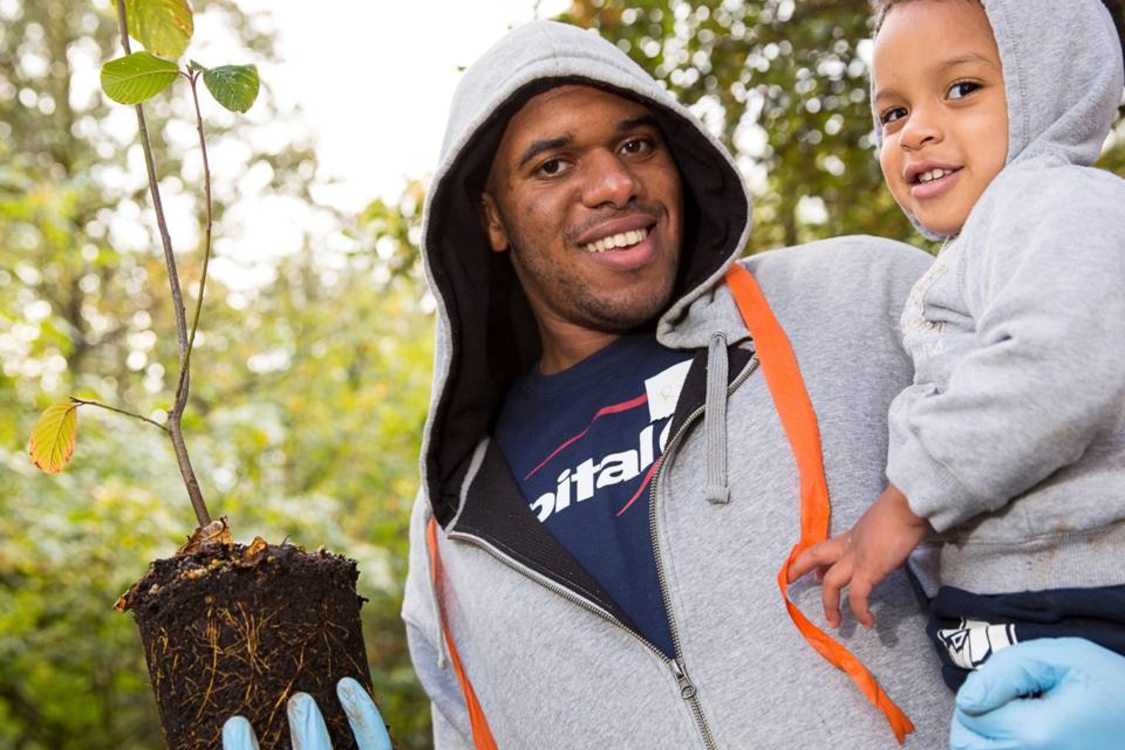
939 93
585 195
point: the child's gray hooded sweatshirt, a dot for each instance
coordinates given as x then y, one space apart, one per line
1012 439
553 660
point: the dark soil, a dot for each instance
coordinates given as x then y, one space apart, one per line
235 629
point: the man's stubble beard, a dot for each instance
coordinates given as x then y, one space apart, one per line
572 300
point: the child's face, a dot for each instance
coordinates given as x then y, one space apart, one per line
939 93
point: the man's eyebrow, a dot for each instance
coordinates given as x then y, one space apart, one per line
634 123
550 144
547 144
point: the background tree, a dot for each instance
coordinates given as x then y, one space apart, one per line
306 428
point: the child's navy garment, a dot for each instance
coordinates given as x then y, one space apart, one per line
968 628
584 445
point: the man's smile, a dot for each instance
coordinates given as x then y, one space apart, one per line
621 240
615 233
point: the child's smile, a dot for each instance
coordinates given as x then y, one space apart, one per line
939 96
929 180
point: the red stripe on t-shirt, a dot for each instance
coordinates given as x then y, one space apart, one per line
648 478
612 409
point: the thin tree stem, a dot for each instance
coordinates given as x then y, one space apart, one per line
185 371
202 516
127 413
175 415
158 205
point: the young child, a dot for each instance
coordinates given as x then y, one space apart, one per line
1010 444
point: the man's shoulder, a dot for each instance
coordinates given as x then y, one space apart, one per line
840 267
843 279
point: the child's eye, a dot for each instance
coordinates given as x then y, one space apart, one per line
961 89
887 116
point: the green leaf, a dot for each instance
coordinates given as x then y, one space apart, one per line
134 78
53 436
164 27
233 86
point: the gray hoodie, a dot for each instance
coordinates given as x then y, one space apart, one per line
553 660
1011 440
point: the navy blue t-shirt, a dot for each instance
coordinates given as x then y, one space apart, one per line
583 445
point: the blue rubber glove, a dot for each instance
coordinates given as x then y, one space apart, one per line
306 725
1049 694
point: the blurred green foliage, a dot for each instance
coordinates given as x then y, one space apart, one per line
310 387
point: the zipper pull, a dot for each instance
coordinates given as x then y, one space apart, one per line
687 689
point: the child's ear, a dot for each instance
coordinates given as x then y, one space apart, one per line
493 223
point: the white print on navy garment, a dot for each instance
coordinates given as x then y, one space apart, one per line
973 641
580 482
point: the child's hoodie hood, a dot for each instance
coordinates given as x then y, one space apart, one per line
1063 77
485 330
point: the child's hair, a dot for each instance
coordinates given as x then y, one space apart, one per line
1116 8
882 7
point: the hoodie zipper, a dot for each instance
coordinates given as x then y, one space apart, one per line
676 665
687 688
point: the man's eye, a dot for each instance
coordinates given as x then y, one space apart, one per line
636 146
887 116
961 89
550 167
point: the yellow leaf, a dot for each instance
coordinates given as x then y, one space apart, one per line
53 436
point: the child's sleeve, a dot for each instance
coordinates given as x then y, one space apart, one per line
1045 375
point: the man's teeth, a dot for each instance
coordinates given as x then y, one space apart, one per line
933 174
625 239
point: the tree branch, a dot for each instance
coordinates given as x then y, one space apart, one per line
174 429
185 371
125 412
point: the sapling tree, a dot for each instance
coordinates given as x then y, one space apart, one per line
226 628
164 28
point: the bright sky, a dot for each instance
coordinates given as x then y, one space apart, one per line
373 80
396 63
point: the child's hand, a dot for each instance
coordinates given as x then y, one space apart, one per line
879 543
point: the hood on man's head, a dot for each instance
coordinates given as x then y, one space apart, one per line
486 333
540 56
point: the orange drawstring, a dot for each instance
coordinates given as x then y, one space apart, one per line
482 734
798 419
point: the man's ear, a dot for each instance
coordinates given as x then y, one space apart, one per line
493 223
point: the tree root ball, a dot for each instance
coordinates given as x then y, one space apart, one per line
237 629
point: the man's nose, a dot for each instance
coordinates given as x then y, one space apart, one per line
609 181
922 129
